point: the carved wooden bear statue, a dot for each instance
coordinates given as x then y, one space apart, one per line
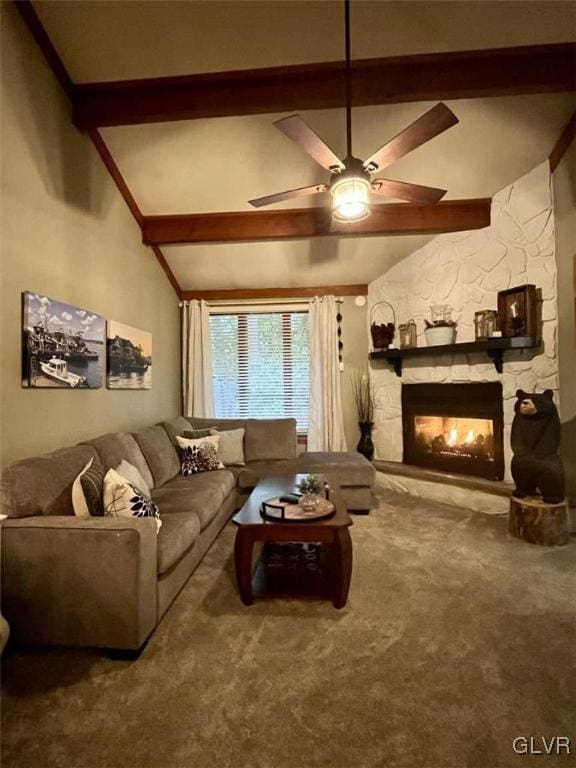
536 464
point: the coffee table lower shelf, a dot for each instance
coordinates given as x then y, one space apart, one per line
335 579
292 569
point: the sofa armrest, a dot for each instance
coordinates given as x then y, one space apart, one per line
78 581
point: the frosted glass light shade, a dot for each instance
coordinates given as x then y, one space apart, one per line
350 198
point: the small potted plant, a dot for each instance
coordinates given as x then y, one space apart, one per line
364 399
312 489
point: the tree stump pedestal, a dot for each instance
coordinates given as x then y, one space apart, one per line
533 520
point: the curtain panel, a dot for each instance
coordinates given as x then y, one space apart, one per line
326 430
197 393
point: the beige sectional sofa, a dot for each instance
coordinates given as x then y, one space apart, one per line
107 581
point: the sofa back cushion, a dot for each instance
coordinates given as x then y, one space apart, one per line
42 485
115 447
197 422
263 439
160 454
175 427
270 439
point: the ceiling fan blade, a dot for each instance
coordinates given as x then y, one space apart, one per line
299 131
413 193
302 192
429 125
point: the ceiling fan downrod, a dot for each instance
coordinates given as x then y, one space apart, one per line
348 79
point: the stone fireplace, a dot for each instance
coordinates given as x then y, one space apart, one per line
466 270
454 428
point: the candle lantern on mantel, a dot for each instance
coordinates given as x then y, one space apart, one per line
407 333
517 311
485 323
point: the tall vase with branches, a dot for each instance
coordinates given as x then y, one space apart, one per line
364 400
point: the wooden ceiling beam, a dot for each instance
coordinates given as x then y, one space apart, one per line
30 17
299 223
244 294
563 144
420 77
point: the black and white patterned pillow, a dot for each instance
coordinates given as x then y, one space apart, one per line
200 458
142 506
189 460
123 499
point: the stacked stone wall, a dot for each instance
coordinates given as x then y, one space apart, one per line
466 270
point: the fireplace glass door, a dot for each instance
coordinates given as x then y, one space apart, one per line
454 427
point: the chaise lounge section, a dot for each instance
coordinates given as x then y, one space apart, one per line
271 447
107 582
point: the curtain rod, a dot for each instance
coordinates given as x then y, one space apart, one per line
259 302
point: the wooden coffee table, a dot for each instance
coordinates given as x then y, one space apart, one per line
332 532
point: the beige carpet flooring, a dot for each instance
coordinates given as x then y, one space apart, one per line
456 639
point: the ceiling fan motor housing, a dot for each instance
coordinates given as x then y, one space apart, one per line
352 167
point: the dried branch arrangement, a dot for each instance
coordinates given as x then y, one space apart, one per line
363 396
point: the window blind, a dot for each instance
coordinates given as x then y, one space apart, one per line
260 365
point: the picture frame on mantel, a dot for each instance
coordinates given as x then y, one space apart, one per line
517 311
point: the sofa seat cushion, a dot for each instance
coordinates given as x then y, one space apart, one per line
159 452
202 494
178 533
349 469
254 471
270 439
116 446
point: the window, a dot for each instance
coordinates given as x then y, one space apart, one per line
260 365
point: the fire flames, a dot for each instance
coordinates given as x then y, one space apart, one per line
466 438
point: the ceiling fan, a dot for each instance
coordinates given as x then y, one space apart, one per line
351 184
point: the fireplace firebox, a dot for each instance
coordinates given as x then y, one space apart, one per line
454 428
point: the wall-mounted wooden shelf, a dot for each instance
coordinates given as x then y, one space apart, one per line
494 348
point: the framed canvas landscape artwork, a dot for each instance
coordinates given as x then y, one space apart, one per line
129 357
63 346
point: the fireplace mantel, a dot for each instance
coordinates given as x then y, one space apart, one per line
494 348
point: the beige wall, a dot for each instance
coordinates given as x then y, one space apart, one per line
67 233
355 356
564 184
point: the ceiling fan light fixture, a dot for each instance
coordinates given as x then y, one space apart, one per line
350 199
351 186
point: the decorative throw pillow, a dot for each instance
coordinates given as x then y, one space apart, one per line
231 446
132 474
78 499
122 499
92 481
201 456
194 434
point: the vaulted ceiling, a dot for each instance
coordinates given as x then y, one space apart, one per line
216 164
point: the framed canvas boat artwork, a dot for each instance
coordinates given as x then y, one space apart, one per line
129 357
63 346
